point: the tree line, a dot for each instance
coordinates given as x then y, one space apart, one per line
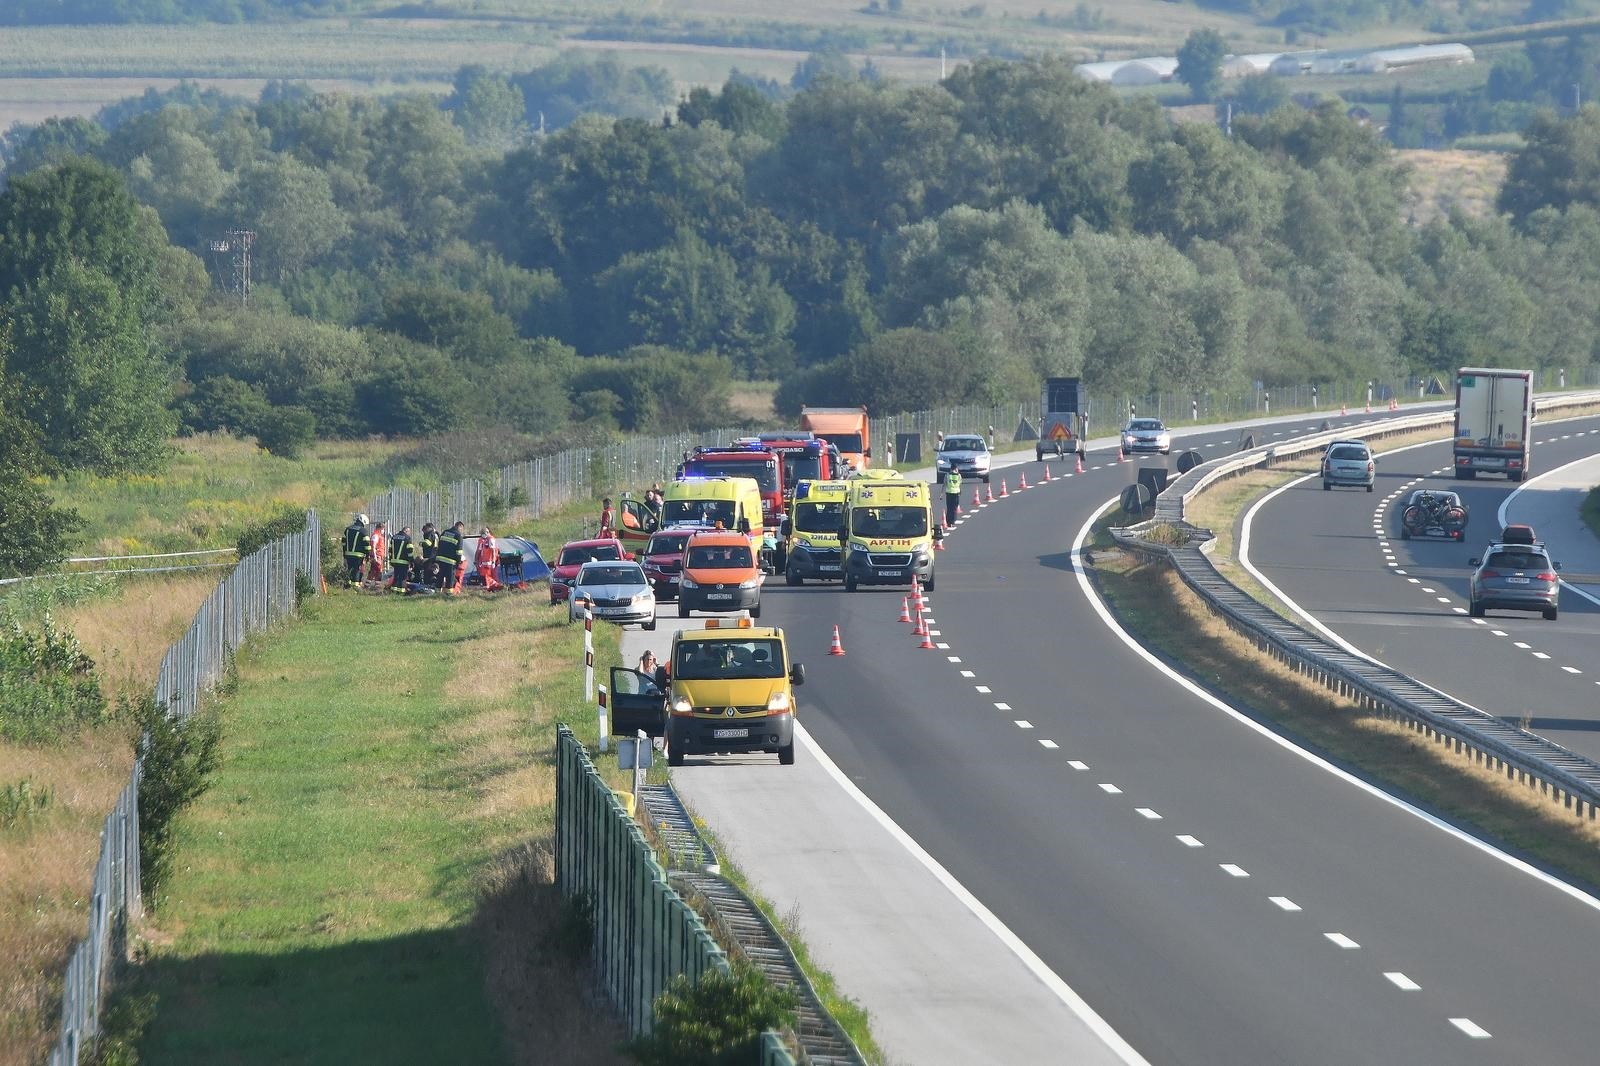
425 265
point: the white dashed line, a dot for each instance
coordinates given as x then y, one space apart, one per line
1442 599
1284 903
1052 745
1459 610
1023 723
1471 1028
1401 981
1076 765
1109 789
1572 669
1146 812
941 645
1414 581
968 673
953 658
1233 870
1342 941
1002 706
1540 655
1427 589
982 688
1521 644
1190 842
1498 632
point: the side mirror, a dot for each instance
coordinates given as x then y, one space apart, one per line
866 453
1558 566
797 674
744 525
1474 562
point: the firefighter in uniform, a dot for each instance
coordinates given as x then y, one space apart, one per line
357 546
428 555
450 558
402 553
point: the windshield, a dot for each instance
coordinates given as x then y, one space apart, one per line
890 522
965 444
611 575
818 517
1349 451
846 442
1516 561
763 469
579 556
662 544
719 557
708 512
708 659
798 467
1146 424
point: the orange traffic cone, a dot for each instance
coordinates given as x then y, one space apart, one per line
1369 407
837 649
1022 481
1003 492
1344 410
977 501
927 641
938 544
1080 463
905 610
921 628
988 492
958 510
1046 471
918 604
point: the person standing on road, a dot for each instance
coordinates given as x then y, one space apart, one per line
449 557
952 496
357 546
403 552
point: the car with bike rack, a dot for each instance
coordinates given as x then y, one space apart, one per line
1434 513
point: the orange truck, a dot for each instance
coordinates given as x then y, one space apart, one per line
845 427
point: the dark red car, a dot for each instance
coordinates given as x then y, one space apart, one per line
663 560
573 555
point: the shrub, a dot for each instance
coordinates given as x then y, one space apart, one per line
22 802
48 685
285 520
179 759
716 1022
286 431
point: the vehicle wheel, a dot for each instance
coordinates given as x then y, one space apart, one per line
1405 531
1463 474
849 583
780 561
1515 477
786 754
1369 488
755 612
792 579
683 609
1326 486
986 479
650 626
1038 455
928 584
1475 609
1550 614
675 751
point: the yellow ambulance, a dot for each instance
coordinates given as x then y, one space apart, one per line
809 537
887 534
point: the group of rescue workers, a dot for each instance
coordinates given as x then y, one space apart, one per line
432 563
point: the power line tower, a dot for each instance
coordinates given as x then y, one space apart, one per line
236 244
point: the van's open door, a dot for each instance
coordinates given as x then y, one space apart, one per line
636 703
635 523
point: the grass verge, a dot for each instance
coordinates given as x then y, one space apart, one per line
1590 511
1164 615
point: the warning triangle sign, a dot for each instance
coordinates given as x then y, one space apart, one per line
1059 431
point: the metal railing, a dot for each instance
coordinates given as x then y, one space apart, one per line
1489 741
644 933
261 590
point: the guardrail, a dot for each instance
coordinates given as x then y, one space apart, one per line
1522 756
260 590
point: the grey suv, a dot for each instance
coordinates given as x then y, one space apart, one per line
1515 577
1348 462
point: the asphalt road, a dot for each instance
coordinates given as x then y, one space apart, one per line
1339 556
1211 893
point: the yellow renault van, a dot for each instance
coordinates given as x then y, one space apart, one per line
887 534
731 690
732 502
810 535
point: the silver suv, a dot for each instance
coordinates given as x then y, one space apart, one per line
1348 462
1516 573
967 453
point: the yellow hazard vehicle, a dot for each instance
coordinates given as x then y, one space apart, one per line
730 502
887 534
731 689
887 473
809 547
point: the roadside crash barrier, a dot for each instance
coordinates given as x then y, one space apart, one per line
1522 756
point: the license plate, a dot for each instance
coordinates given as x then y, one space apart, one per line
719 595
728 734
1489 462
826 569
1516 581
891 573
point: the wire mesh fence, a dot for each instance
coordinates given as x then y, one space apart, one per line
261 590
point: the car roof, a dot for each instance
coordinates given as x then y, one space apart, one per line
598 563
592 542
730 632
1450 494
1347 440
719 536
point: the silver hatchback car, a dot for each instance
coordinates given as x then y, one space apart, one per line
1348 462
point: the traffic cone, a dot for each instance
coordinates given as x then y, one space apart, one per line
988 493
977 501
1369 407
837 649
1394 405
1344 410
921 628
1046 471
958 510
1022 481
1080 463
1003 492
905 610
927 641
938 542
1122 456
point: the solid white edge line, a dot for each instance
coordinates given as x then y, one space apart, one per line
1037 966
1283 742
1505 506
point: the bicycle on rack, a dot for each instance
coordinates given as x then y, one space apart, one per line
1435 513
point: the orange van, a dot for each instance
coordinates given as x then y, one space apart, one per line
721 573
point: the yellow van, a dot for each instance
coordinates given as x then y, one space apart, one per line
810 535
732 502
887 534
884 473
731 690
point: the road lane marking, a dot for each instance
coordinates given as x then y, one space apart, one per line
1109 789
1233 869
1498 632
1284 903
1540 655
1442 599
1189 842
942 646
1524 645
1146 812
982 688
1048 744
1342 941
1023 723
953 658
1572 669
1471 1028
1002 706
1401 981
968 673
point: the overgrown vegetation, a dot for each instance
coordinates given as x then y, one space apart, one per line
180 756
48 686
716 1021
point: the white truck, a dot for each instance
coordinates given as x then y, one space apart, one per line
1494 410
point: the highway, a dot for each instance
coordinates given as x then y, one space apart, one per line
1210 893
1338 555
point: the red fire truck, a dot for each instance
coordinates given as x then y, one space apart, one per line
754 461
